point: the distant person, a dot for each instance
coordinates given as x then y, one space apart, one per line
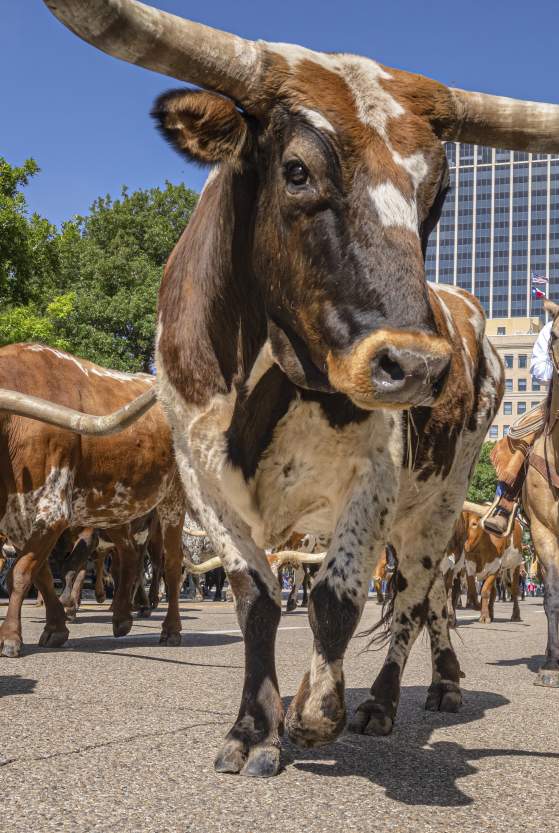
510 454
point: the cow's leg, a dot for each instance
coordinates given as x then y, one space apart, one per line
298 579
307 584
171 518
252 745
55 632
76 595
100 591
317 713
444 692
488 593
156 556
515 592
75 564
22 575
125 575
420 542
472 601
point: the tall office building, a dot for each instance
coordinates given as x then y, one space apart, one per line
499 225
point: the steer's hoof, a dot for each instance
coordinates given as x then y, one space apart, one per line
371 718
71 615
291 605
53 639
315 720
171 640
144 613
12 647
547 677
263 762
485 620
231 758
122 628
443 697
100 598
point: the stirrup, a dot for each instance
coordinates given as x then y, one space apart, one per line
490 511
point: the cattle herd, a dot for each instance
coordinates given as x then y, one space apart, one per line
309 380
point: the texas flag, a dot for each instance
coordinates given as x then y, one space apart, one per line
539 280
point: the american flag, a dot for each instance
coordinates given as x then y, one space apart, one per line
539 279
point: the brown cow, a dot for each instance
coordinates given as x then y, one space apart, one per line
52 479
312 379
486 556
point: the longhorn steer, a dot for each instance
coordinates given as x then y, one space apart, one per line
312 379
486 556
51 479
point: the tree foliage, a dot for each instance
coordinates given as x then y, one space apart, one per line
90 287
484 482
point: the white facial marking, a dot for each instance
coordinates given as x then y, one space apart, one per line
393 208
316 119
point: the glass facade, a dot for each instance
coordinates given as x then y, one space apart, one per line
499 225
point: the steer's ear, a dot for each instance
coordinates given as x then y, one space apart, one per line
204 127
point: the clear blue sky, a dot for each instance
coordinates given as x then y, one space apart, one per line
84 116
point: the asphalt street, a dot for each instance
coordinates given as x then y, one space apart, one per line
119 735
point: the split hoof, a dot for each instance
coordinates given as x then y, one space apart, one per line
100 598
54 639
485 620
143 613
122 628
547 677
231 758
371 718
263 762
311 722
443 697
72 615
291 605
12 647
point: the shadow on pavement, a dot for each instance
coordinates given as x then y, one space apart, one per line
533 663
15 684
409 768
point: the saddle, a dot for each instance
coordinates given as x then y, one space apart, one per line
514 452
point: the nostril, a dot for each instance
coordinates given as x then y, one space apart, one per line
391 368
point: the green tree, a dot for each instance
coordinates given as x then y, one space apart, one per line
113 261
91 287
484 482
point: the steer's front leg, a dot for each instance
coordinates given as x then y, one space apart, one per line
317 714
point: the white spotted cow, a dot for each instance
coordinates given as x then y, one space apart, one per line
312 379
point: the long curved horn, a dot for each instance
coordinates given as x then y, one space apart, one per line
476 508
25 405
204 567
165 43
297 557
195 533
504 122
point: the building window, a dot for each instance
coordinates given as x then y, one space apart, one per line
508 384
534 404
522 384
535 385
521 407
501 331
523 361
494 432
506 429
507 408
508 361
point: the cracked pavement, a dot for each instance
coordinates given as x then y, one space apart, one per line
119 735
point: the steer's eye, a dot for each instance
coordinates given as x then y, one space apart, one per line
295 173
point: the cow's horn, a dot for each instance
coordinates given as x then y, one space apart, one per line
511 123
194 533
204 567
165 43
476 508
25 405
298 557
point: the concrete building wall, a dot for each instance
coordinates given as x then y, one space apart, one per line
514 339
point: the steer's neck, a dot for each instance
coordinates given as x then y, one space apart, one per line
211 316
